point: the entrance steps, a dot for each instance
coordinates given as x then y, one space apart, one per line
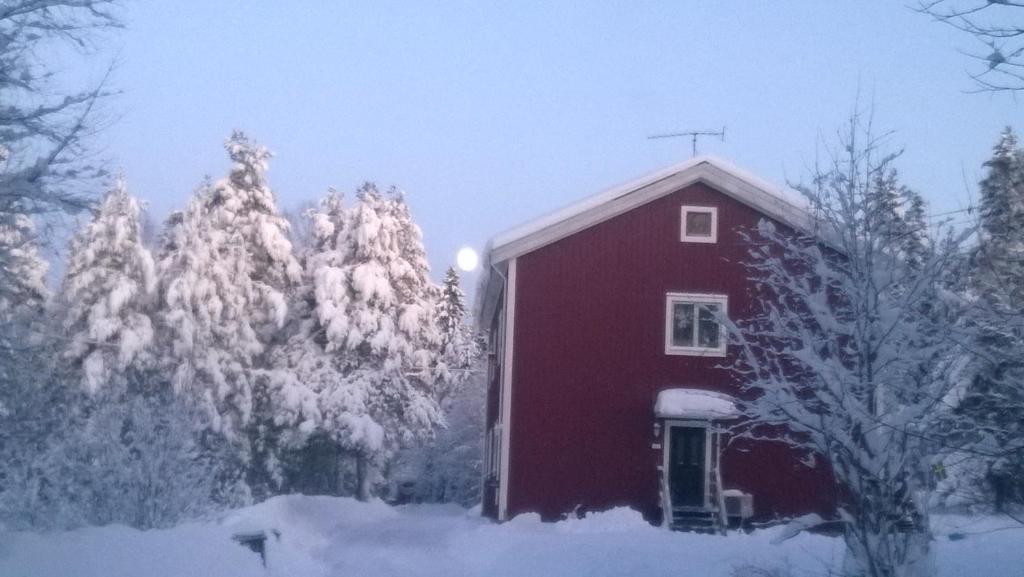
695 519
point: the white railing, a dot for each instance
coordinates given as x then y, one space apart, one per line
722 519
668 517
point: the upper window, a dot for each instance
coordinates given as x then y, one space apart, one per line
699 224
691 324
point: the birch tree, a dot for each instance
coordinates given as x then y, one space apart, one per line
852 355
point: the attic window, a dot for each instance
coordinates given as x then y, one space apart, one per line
699 224
691 324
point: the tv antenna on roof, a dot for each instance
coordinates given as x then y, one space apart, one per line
693 134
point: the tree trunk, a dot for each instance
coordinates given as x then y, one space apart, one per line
363 472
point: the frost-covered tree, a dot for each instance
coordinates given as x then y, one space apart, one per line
108 294
449 467
852 354
226 277
994 399
27 412
363 358
132 459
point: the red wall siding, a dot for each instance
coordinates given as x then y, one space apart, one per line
589 361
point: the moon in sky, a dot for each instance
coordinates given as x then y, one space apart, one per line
467 259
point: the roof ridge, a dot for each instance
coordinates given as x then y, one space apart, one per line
787 207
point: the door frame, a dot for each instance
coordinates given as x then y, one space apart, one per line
667 448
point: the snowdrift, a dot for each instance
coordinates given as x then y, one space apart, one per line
320 536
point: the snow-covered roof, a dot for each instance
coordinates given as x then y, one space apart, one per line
695 404
783 205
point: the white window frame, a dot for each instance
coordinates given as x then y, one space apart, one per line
671 299
684 237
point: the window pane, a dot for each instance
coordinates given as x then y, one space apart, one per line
698 223
682 325
708 331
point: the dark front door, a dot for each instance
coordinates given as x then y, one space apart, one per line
686 466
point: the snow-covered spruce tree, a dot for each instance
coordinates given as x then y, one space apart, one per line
107 295
363 358
124 449
850 356
226 279
308 371
459 347
994 399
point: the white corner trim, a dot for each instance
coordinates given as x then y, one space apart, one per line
685 237
506 389
697 299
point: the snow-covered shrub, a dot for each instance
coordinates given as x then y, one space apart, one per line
449 467
136 460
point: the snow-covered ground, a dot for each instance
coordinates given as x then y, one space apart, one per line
335 536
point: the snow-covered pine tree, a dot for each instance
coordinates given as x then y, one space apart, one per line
852 356
226 280
364 357
994 399
107 294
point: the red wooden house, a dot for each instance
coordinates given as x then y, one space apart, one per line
606 380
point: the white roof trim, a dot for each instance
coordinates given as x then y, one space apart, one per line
695 404
766 198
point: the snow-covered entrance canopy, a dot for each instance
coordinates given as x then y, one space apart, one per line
695 404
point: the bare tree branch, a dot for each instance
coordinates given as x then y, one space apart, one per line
999 26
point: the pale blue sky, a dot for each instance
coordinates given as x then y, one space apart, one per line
490 114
